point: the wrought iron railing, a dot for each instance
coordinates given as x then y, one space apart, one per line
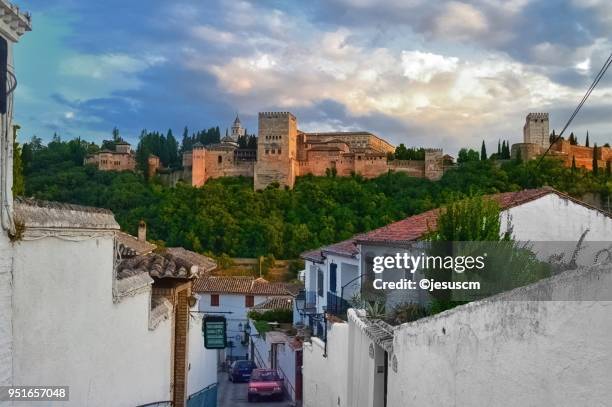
158 404
311 299
337 305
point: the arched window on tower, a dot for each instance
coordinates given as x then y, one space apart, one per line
219 159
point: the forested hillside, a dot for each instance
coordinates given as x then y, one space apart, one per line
227 216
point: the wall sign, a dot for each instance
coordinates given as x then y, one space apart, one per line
215 330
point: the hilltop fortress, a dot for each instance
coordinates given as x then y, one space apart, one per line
537 138
285 152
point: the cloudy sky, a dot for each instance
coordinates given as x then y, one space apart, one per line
444 73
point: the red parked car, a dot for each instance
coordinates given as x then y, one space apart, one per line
265 383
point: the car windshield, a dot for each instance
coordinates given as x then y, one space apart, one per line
243 364
264 376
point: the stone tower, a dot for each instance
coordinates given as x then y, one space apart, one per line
536 129
276 150
237 129
198 165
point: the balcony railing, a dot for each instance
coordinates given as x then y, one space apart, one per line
310 298
336 305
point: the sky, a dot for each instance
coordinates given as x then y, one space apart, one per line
435 74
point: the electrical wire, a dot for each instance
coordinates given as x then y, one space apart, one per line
598 77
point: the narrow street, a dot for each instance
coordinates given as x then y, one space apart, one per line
235 394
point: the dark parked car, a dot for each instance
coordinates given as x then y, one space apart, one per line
240 371
265 383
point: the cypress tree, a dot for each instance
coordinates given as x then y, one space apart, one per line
483 151
595 167
499 149
573 163
608 168
587 140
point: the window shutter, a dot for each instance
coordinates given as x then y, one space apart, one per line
332 277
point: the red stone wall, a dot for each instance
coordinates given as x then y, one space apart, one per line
198 170
583 155
112 161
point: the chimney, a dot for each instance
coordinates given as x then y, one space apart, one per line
142 231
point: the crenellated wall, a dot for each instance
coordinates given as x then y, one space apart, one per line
284 152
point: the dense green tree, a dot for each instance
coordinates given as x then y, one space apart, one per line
18 177
483 151
466 155
413 153
227 216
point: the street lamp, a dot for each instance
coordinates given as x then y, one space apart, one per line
300 301
300 305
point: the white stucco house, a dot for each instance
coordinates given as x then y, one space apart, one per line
233 297
334 273
86 306
13 25
360 357
116 323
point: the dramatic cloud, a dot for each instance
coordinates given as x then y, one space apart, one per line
447 73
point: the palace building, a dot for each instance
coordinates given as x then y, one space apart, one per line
284 152
122 158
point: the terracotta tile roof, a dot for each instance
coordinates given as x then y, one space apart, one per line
205 264
280 302
415 227
243 285
159 265
130 245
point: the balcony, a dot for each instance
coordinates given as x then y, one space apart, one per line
337 305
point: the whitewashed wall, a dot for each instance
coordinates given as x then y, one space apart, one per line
348 269
365 382
6 257
68 331
512 352
6 310
286 363
234 303
202 362
554 218
326 380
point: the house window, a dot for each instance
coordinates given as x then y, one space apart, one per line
249 301
214 300
267 151
219 159
320 282
279 150
332 277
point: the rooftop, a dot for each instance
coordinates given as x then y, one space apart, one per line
158 265
416 226
280 302
130 245
205 264
243 285
34 213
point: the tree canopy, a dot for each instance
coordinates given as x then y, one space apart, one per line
227 216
